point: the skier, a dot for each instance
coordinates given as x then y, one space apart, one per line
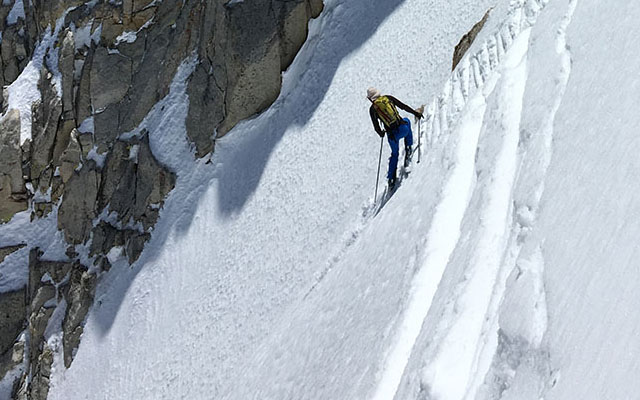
385 109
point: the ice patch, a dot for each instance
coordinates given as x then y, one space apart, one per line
87 126
83 37
131 36
115 254
97 157
127 37
133 153
16 13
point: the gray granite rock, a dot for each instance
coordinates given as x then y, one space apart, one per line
66 68
12 358
12 317
12 185
70 158
467 40
110 78
46 114
79 295
5 251
78 207
134 183
39 387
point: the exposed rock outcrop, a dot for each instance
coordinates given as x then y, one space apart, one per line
110 78
105 67
251 43
134 184
467 40
46 114
13 309
13 197
79 296
12 359
18 39
54 287
78 207
12 312
5 251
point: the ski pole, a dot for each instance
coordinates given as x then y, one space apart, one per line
419 141
375 196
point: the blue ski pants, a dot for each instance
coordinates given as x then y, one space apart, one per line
403 131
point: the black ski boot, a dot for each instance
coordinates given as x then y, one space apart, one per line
392 183
408 153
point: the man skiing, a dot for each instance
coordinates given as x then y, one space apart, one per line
385 109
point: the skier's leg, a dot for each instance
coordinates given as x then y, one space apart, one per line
408 139
393 160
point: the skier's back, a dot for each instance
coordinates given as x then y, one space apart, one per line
385 109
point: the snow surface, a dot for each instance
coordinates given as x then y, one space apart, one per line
16 13
274 209
503 268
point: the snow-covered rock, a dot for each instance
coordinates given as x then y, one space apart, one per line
77 77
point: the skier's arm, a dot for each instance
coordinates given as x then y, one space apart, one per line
404 107
374 121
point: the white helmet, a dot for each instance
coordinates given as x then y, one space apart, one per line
372 93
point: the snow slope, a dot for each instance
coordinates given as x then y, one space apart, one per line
591 208
502 268
241 240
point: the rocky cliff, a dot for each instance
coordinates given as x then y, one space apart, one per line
77 77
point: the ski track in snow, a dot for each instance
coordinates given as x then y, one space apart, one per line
517 316
447 217
498 310
456 358
467 338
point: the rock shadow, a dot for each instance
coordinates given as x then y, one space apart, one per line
345 27
239 166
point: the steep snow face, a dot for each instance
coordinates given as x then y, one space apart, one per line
590 210
502 268
242 240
